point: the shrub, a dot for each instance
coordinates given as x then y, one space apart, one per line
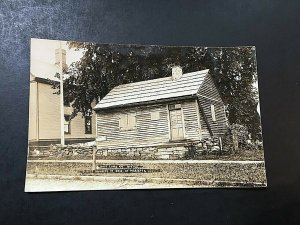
240 134
205 147
248 146
191 152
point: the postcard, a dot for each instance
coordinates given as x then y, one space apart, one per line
128 116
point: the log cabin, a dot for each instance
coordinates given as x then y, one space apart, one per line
162 115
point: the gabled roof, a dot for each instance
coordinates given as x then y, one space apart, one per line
153 90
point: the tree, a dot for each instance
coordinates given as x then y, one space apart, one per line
105 66
234 73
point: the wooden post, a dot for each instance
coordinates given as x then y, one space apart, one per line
50 150
94 158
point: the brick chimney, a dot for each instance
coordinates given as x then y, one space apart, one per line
176 72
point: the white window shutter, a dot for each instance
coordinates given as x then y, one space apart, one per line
131 121
155 115
123 121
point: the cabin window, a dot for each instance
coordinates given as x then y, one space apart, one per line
127 121
88 124
67 124
174 106
155 115
213 113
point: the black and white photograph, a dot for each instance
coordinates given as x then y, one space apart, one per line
115 116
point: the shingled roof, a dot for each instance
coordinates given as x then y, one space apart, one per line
153 90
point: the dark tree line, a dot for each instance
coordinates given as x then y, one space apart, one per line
105 66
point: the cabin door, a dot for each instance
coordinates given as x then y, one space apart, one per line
176 124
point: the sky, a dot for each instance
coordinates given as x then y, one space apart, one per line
44 50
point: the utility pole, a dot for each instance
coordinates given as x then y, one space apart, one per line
62 116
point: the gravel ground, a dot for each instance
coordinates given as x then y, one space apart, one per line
49 185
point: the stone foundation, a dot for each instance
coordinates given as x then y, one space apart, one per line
152 152
144 152
170 151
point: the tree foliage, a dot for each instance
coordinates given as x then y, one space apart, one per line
234 72
105 66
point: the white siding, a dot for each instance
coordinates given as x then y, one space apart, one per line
44 116
148 131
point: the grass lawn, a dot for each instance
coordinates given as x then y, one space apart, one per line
247 155
248 173
257 155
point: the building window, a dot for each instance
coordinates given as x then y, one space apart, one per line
88 124
67 124
67 103
154 115
213 113
174 106
127 121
